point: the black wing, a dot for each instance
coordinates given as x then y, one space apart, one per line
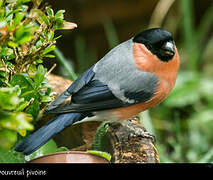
96 96
84 79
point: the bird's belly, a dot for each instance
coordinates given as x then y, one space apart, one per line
130 111
161 93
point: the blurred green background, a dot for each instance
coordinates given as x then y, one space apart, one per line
183 123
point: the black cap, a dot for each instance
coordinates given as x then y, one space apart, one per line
158 41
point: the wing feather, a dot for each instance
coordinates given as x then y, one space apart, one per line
112 82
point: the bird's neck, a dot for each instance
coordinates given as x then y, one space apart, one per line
146 61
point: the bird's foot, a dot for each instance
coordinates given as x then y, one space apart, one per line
130 129
113 124
145 134
138 131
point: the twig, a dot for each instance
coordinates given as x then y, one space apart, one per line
160 12
29 103
29 58
51 69
5 67
37 34
16 54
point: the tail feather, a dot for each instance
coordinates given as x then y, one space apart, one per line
46 132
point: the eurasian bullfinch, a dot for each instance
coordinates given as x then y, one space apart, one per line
134 76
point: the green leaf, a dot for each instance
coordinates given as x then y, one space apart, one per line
24 34
34 108
50 36
48 92
26 84
7 53
49 55
39 43
28 91
105 155
40 16
98 142
18 18
19 2
9 99
62 149
11 156
46 85
32 70
30 88
58 24
39 61
9 64
17 121
59 15
46 99
25 38
40 75
12 44
1 3
2 73
57 37
50 12
11 13
59 19
49 147
7 139
48 49
22 106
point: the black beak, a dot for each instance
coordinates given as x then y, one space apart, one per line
168 49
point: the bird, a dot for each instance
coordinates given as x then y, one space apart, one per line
132 77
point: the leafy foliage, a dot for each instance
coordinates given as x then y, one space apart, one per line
10 156
99 141
26 39
105 155
12 120
47 148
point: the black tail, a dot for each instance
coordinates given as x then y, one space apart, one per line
46 132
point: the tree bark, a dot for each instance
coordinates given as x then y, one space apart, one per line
121 140
127 146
